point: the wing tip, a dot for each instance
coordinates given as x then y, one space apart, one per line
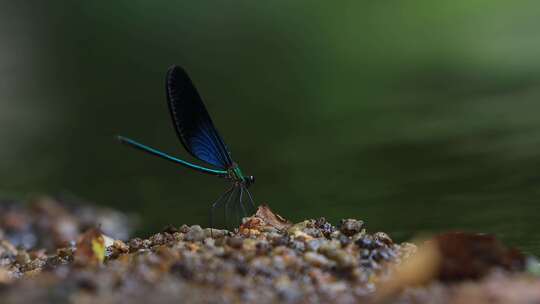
175 70
178 83
175 75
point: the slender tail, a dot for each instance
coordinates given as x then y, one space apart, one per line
155 152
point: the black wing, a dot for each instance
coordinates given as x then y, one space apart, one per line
192 122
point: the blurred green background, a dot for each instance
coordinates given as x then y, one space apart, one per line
416 116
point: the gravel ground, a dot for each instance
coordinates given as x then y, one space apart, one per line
265 260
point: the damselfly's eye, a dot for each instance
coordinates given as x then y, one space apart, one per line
251 179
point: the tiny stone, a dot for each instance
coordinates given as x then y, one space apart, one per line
7 247
299 246
335 234
64 252
235 242
220 241
146 243
314 245
280 241
22 257
375 255
249 244
170 229
195 234
269 229
157 239
182 270
184 228
327 229
120 246
316 259
313 232
342 259
320 222
365 254
359 235
365 242
289 294
350 227
135 244
178 236
216 233
35 264
210 242
384 254
262 247
38 254
208 232
334 288
344 240
383 237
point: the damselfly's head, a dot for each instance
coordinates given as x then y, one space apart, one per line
249 180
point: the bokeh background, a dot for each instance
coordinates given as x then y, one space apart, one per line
416 116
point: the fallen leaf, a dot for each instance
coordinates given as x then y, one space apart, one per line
473 255
272 219
90 248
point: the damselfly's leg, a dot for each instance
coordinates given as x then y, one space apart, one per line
251 200
244 214
237 218
220 200
233 191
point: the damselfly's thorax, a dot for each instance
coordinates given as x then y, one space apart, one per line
236 175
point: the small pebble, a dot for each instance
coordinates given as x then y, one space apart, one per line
366 242
170 229
135 244
349 227
184 228
235 242
314 245
195 234
22 257
120 246
383 237
315 259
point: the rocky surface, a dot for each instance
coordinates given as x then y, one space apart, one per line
265 260
49 223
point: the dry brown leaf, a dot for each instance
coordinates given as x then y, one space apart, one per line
272 219
90 248
473 255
